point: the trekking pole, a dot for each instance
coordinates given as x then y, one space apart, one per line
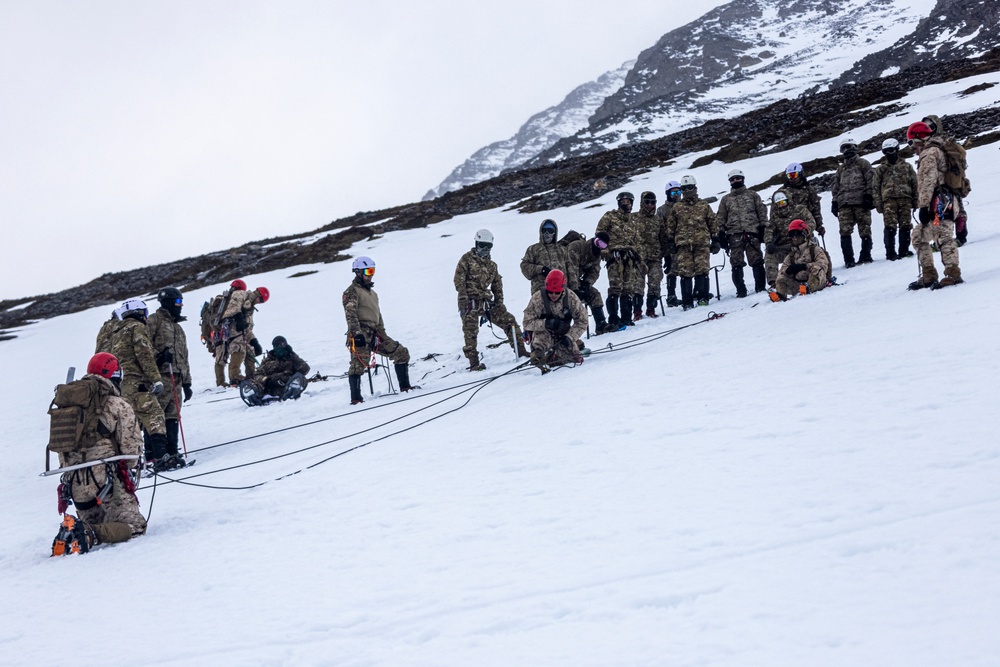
587 306
662 310
513 341
716 269
177 404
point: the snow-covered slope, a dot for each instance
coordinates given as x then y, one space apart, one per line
808 483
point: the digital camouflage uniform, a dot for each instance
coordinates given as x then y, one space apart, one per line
623 255
894 188
852 193
741 217
131 345
652 238
800 193
550 346
540 256
117 518
211 332
106 333
931 167
584 270
240 310
776 233
691 227
664 212
364 317
814 276
274 372
480 293
164 334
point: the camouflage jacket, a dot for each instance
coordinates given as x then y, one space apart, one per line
361 309
584 263
810 254
241 301
894 181
281 368
477 279
541 255
800 192
692 224
776 230
165 333
622 228
931 166
853 182
568 307
134 350
120 435
652 235
742 210
106 333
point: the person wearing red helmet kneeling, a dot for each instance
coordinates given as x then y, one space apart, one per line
553 322
806 268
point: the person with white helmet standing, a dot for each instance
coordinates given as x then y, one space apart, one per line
895 191
853 202
742 217
777 241
480 295
691 232
673 192
366 331
799 192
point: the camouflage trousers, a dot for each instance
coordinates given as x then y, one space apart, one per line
384 346
849 216
690 261
498 315
238 356
592 297
742 253
166 397
119 506
668 265
625 276
545 350
943 235
897 213
653 275
772 261
147 408
814 279
221 355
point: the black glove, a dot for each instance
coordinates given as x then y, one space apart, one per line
724 240
240 321
924 214
821 230
584 287
545 271
583 294
671 248
771 247
760 233
257 349
165 357
359 340
835 209
553 324
568 342
715 246
794 269
868 202
188 393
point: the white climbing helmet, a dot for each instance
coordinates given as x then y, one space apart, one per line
735 173
361 263
689 181
484 236
848 142
890 144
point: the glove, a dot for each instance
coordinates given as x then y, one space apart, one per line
821 230
671 248
960 222
257 349
240 321
553 324
545 271
913 203
165 357
187 392
771 248
568 342
868 202
715 246
583 294
835 209
924 215
880 209
793 269
724 240
760 233
157 388
359 340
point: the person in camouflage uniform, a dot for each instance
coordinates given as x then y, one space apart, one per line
692 233
279 365
214 335
742 217
652 238
799 192
107 332
554 320
584 270
115 518
237 326
777 242
366 334
673 192
894 187
141 383
480 296
170 347
938 208
623 259
806 267
853 202
542 257
962 219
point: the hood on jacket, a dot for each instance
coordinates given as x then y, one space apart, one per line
548 223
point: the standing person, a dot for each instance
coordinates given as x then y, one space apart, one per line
691 231
961 219
171 354
214 333
622 258
107 331
777 242
806 268
554 320
584 270
366 331
651 236
237 323
141 383
742 217
853 202
799 192
894 186
480 296
104 494
544 256
938 208
673 192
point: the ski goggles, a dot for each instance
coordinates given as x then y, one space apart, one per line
599 243
688 188
370 271
178 302
793 175
482 245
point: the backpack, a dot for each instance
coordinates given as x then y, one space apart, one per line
829 261
571 236
955 165
75 416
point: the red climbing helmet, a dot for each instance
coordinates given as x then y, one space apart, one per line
919 131
265 294
238 284
103 364
555 281
798 226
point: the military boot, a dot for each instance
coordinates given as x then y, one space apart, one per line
157 446
928 278
651 302
636 307
355 382
600 321
474 363
403 375
904 241
866 251
614 322
687 293
759 277
847 247
625 304
173 429
952 276
220 376
702 292
74 537
889 237
741 286
672 301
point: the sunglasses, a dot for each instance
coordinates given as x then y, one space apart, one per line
370 271
688 188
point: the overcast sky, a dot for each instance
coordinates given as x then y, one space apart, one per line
134 133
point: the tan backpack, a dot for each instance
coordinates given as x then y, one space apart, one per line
75 416
955 165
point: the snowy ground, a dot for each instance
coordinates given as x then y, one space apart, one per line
808 483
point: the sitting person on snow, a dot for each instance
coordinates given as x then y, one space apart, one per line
554 320
806 268
274 376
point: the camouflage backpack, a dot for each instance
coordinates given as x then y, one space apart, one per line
955 165
829 261
211 317
571 236
75 416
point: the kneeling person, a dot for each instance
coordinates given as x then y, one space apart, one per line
555 319
282 375
806 268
